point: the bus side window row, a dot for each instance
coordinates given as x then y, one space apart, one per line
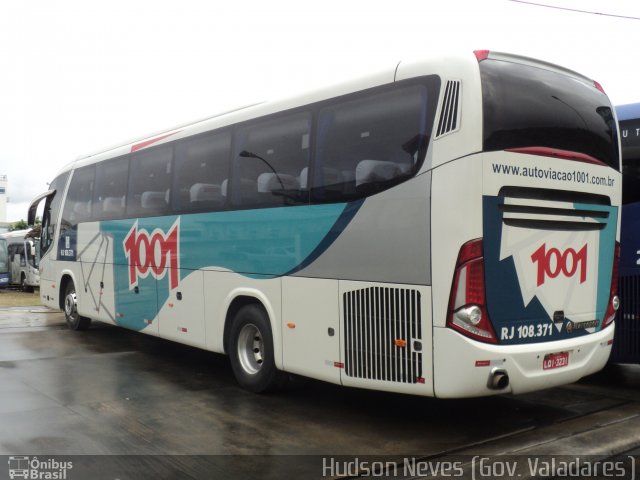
269 189
333 151
279 185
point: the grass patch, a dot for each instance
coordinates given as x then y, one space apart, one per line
16 298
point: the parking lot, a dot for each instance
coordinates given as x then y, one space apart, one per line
140 404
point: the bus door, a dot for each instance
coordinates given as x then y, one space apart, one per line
4 264
17 261
136 303
135 287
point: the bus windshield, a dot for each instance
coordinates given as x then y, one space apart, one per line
527 106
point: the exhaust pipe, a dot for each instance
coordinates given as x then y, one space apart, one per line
498 379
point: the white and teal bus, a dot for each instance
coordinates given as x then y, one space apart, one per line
22 259
443 228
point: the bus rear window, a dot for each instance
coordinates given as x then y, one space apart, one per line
528 106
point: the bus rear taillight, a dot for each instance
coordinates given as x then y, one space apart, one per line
467 304
614 301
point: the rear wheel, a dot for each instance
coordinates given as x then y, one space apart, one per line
252 354
74 320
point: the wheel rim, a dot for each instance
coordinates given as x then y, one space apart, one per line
70 306
250 349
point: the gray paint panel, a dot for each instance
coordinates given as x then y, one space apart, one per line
389 239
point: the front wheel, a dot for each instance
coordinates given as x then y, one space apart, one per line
252 355
74 320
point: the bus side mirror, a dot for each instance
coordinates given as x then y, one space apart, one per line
33 250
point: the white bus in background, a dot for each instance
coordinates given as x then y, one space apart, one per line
4 263
23 255
442 228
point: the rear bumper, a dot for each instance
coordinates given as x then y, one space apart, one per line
463 367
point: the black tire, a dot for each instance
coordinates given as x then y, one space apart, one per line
251 351
74 320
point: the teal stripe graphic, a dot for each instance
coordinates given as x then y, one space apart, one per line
258 244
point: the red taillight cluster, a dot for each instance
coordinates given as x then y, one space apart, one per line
614 301
467 303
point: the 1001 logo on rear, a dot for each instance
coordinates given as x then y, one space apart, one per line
551 263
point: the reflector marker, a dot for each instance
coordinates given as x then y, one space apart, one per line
146 143
400 343
557 153
490 363
481 54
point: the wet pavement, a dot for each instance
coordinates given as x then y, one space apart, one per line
109 391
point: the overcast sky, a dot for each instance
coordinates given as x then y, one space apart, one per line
76 76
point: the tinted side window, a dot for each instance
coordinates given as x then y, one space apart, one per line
150 182
111 188
52 212
77 204
370 142
269 160
527 106
201 173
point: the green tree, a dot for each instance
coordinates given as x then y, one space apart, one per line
22 225
19 225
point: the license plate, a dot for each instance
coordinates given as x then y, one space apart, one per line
555 360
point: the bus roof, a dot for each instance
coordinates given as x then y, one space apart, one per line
240 114
630 111
384 75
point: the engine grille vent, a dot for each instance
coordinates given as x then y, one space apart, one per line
449 115
383 334
554 209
